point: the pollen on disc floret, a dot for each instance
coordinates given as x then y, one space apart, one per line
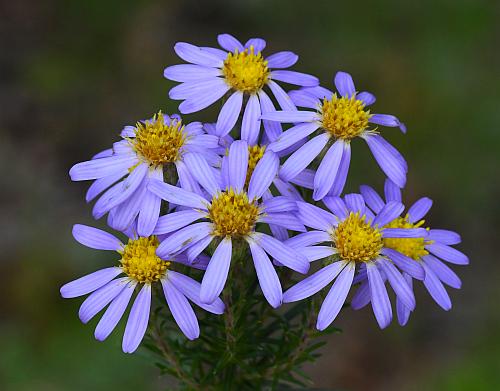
411 247
158 142
246 71
343 117
233 214
140 262
356 240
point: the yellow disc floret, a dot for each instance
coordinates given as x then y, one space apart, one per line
232 214
255 153
411 247
157 142
356 240
140 262
246 71
344 118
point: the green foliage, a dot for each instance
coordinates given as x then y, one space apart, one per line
251 346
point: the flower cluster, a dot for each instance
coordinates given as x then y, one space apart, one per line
263 183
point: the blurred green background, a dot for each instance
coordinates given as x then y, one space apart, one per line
74 72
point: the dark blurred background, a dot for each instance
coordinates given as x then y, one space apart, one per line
74 72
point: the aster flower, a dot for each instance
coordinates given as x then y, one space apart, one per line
141 268
143 154
239 69
340 119
230 213
428 252
352 237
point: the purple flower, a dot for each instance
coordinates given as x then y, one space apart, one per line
340 119
352 237
429 252
145 151
230 212
141 268
240 69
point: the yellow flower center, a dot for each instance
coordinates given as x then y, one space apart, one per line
246 71
356 240
140 262
255 153
411 247
344 117
232 214
158 143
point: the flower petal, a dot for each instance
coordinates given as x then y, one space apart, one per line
196 55
314 283
372 199
392 191
89 283
114 312
297 78
448 253
202 172
282 60
189 73
398 283
263 175
267 276
176 195
301 158
389 212
327 170
181 310
176 220
229 43
315 217
341 177
282 253
191 289
258 44
229 114
281 96
250 125
101 298
183 238
291 116
336 297
102 167
215 276
96 238
137 322
436 289
419 209
406 264
442 271
387 120
366 97
344 84
337 206
379 298
238 164
444 236
389 164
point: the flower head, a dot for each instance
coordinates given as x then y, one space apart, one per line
230 212
426 253
352 239
141 268
147 151
241 70
340 119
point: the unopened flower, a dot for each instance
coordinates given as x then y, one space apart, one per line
239 69
352 237
340 119
141 267
147 150
230 212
